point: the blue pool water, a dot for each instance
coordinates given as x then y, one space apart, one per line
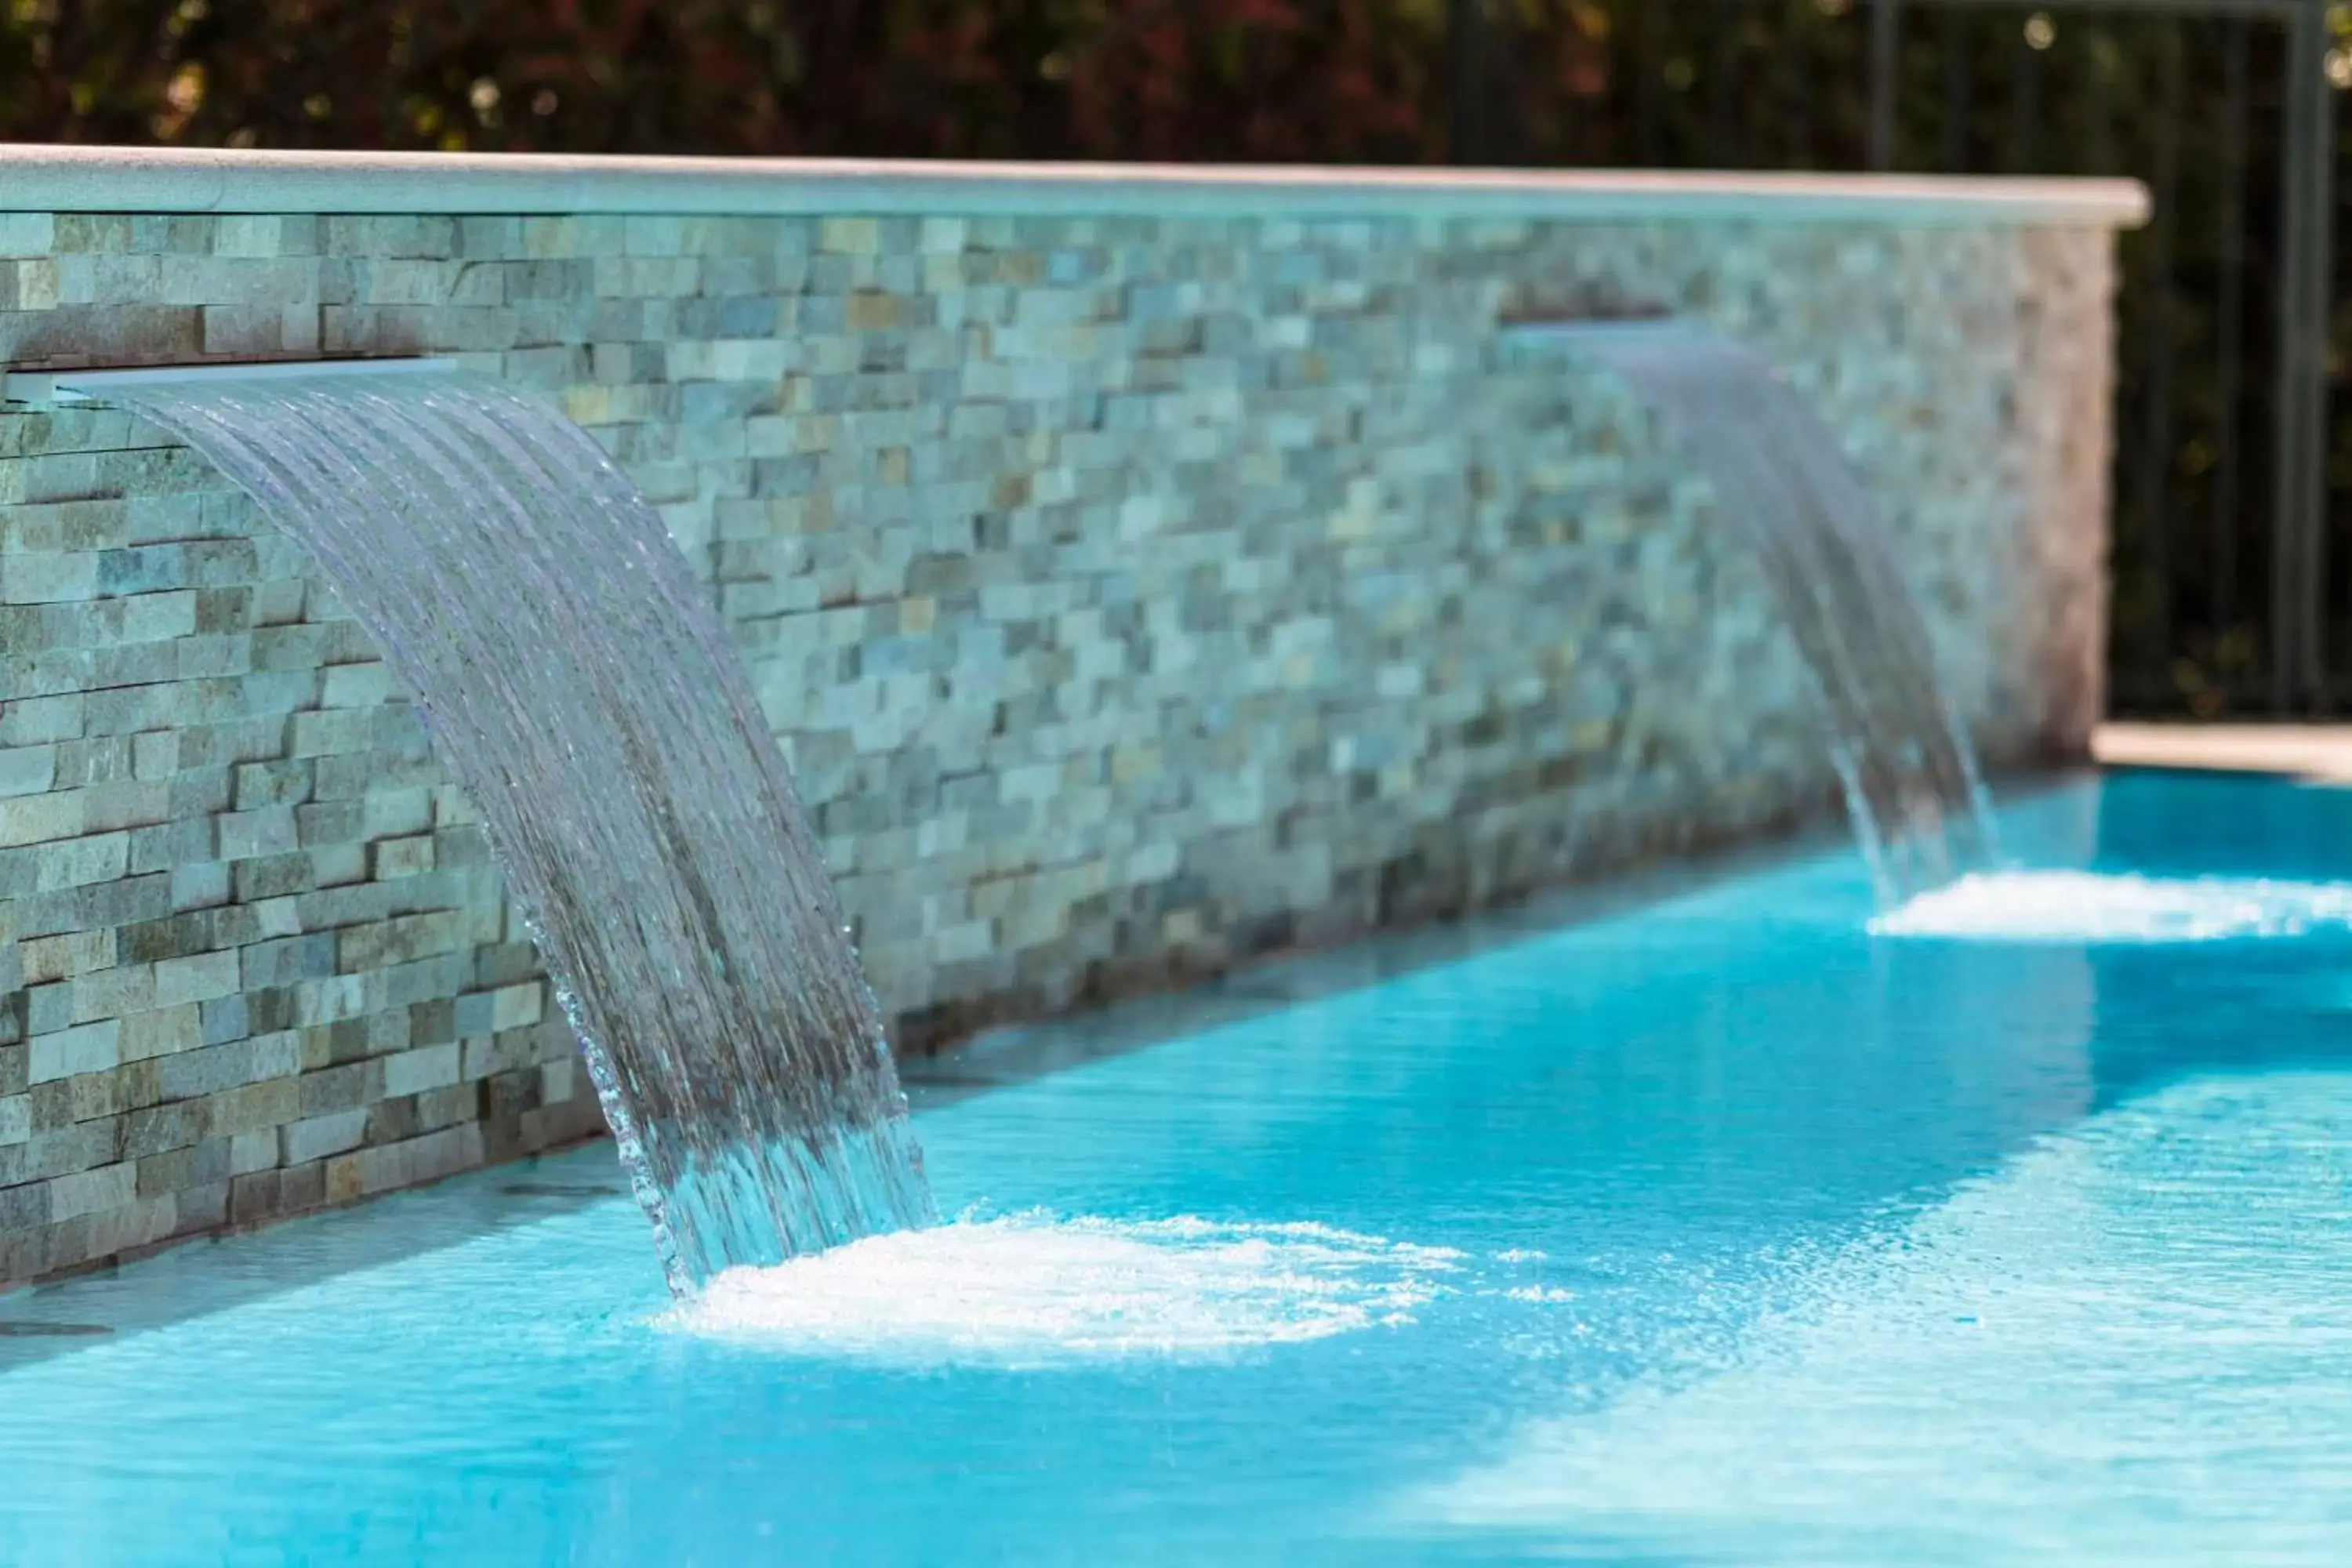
1710 1229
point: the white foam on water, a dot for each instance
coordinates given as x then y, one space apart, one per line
2085 907
2133 1345
1031 1290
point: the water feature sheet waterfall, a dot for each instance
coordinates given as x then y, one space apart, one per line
1909 774
582 691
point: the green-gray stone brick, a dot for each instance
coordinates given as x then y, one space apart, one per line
1130 595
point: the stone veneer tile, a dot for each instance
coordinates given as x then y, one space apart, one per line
1130 596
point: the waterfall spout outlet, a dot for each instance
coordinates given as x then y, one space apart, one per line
1910 777
579 685
72 386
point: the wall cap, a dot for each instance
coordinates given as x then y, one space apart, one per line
38 178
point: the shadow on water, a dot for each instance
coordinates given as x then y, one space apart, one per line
2243 1007
202 1278
207 1277
2170 1013
1650 1074
2185 823
221 1274
1002 1057
1662 1113
1687 1053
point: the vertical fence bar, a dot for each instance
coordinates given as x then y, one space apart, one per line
1648 66
2156 427
1885 43
1502 45
2096 40
2290 548
1714 127
1465 40
1722 57
2025 105
2229 310
1957 92
2318 315
1793 64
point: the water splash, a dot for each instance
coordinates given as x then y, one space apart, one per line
1032 1290
579 687
2128 1345
1910 777
2084 907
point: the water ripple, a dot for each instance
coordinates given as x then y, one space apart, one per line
2084 907
1031 1290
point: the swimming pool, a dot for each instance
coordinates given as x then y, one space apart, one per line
1712 1228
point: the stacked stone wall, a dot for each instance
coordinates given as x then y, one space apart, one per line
1132 595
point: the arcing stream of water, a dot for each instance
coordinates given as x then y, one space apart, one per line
581 689
1910 777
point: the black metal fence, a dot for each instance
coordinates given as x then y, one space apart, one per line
2231 595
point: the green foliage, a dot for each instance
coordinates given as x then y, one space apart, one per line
1981 87
1103 78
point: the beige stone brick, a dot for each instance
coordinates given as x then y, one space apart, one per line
92 1192
198 978
337 732
394 858
517 1006
251 834
40 818
255 1108
251 1151
321 1136
61 957
112 992
78 862
562 1080
417 1071
164 1031
318 1002
142 1223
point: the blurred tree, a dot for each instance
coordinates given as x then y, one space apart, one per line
1174 79
1984 87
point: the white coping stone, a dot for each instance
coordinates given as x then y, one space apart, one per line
91 386
39 179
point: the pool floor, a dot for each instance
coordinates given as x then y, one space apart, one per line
1716 1229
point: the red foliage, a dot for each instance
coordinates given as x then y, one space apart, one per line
1304 79
1256 79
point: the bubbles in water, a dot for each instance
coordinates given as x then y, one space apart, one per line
1030 1290
2128 1345
581 688
2085 907
1792 496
